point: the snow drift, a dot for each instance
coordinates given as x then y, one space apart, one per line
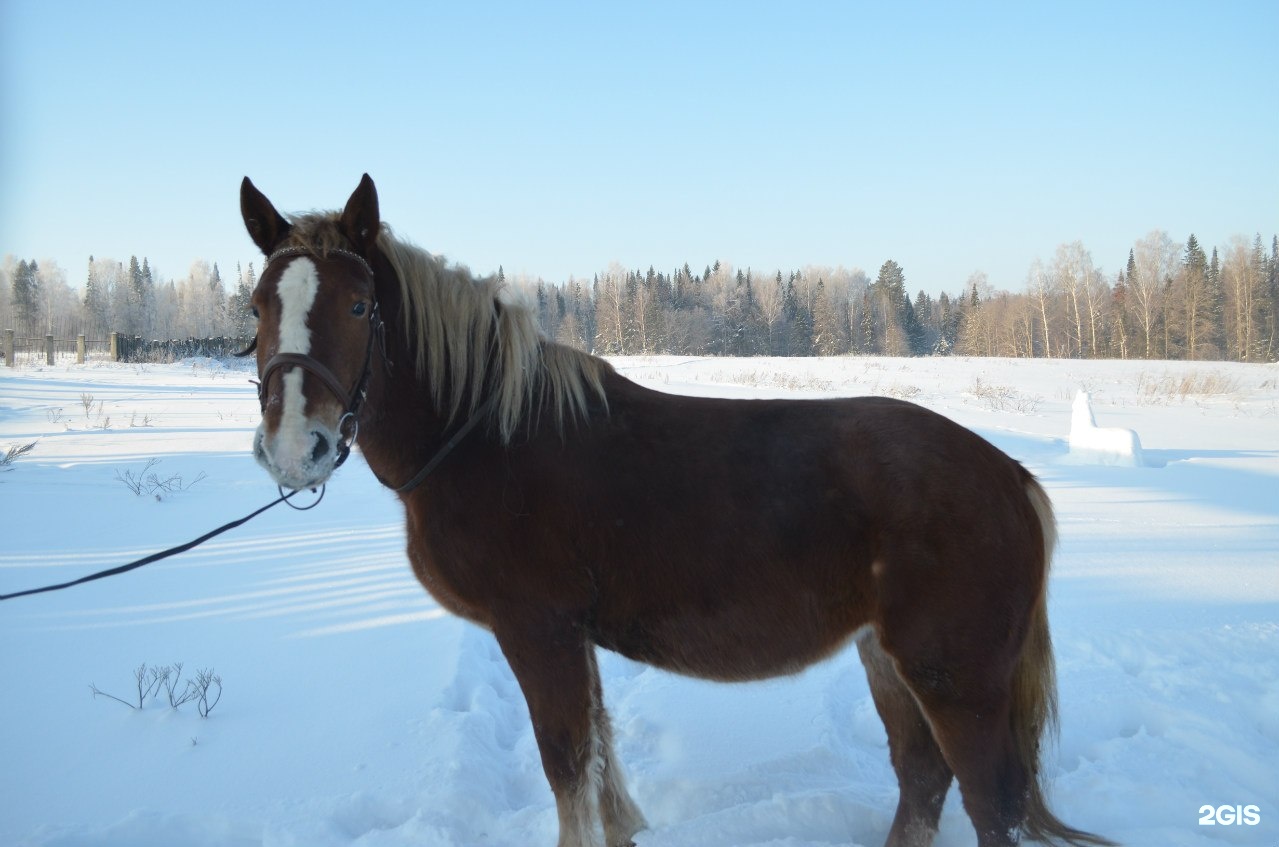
1090 443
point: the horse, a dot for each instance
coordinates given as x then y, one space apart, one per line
565 508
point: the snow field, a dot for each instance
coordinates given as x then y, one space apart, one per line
357 713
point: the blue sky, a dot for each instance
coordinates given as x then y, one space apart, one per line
554 139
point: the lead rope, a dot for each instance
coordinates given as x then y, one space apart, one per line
443 452
418 478
164 554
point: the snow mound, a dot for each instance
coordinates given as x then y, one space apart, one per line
1100 445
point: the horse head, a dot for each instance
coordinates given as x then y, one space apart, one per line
317 323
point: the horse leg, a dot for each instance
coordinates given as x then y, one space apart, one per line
923 776
622 818
977 740
969 708
552 663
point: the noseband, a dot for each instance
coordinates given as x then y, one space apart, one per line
353 399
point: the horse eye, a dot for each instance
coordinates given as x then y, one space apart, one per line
358 309
254 310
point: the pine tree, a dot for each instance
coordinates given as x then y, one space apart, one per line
217 303
25 297
798 318
733 322
826 334
543 308
846 327
790 313
866 333
1272 301
1192 288
946 326
148 297
97 308
241 307
898 314
133 318
926 329
1215 304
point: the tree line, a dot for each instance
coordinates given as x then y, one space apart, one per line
1170 300
124 298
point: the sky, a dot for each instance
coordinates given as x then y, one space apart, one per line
555 139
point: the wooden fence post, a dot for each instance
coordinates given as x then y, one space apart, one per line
115 346
79 349
48 349
8 347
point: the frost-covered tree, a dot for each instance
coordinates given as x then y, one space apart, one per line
25 298
896 331
217 301
60 310
828 338
239 314
97 302
1154 262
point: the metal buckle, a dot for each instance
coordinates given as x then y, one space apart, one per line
289 502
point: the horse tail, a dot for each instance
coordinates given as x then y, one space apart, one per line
1034 707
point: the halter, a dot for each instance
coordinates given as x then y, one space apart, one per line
352 400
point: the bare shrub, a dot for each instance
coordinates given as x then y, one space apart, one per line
147 483
14 452
94 411
205 690
903 392
147 681
1004 398
773 379
205 681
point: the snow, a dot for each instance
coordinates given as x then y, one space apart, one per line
356 712
1105 445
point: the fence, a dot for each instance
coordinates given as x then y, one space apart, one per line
117 348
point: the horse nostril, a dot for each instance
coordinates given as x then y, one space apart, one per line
321 448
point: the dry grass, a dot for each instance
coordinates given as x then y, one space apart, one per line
773 379
1004 398
1167 387
14 452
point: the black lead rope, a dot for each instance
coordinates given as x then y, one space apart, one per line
443 452
413 483
155 557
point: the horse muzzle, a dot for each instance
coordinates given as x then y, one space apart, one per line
298 457
303 451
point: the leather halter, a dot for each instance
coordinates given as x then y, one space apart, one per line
353 399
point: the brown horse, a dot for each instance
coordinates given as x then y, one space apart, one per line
563 507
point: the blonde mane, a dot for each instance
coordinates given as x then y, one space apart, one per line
473 337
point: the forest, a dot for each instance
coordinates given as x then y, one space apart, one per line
1170 300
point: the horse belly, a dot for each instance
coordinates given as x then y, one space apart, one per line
747 630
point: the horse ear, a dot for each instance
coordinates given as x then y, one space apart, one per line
360 219
266 226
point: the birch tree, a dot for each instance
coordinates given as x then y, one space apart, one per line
1154 261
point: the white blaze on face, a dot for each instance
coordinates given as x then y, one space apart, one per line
297 288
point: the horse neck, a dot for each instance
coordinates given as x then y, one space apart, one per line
400 426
